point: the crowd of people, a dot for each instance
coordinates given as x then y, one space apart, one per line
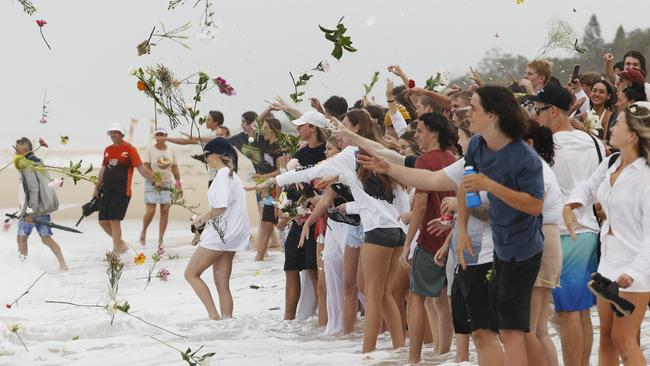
442 216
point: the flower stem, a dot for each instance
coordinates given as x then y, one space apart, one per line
21 341
44 40
29 288
166 344
73 304
154 325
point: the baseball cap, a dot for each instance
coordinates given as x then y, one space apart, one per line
633 75
313 118
160 130
555 95
218 145
116 127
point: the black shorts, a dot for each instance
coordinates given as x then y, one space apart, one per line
510 292
268 214
298 259
113 205
469 294
386 237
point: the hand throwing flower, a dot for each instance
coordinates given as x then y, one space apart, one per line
41 23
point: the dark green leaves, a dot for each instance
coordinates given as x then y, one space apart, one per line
579 49
433 81
192 359
340 40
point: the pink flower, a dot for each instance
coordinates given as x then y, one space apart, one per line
224 87
41 22
8 306
6 226
161 251
42 142
163 274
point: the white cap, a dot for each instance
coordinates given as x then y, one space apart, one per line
160 130
116 127
313 118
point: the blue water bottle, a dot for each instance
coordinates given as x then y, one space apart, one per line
472 199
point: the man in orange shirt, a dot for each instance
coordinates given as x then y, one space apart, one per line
114 184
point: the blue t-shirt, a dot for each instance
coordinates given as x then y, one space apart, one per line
517 235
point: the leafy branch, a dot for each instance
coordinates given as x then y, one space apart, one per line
28 6
339 39
373 81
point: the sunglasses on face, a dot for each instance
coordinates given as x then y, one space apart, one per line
540 110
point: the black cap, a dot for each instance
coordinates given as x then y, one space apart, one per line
221 146
218 145
555 95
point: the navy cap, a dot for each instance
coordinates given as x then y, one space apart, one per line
555 95
218 145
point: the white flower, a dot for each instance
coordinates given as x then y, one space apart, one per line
133 70
251 139
13 328
293 164
326 65
371 21
57 183
112 307
205 362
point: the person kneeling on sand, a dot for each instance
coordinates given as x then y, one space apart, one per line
40 199
226 231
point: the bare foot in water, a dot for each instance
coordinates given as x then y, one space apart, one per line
121 249
63 267
143 238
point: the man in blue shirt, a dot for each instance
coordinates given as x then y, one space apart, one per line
511 173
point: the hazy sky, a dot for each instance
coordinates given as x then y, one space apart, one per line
94 44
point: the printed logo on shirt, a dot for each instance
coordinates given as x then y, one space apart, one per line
112 162
124 154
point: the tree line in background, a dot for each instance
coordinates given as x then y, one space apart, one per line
501 68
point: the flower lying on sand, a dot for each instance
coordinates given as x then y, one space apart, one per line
163 274
139 259
14 328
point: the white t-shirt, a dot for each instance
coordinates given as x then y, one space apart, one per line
553 202
227 192
575 160
375 213
161 161
478 231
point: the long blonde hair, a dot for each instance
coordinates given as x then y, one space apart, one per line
637 117
228 162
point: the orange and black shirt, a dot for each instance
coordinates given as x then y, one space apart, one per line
119 161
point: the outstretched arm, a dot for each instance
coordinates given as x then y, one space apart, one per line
424 180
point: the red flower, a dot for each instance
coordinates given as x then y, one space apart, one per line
41 22
42 142
411 83
8 306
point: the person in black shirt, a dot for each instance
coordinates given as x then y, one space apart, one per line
311 129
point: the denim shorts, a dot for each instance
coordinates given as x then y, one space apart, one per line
153 196
25 229
355 236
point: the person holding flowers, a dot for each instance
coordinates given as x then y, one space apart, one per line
161 160
226 230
